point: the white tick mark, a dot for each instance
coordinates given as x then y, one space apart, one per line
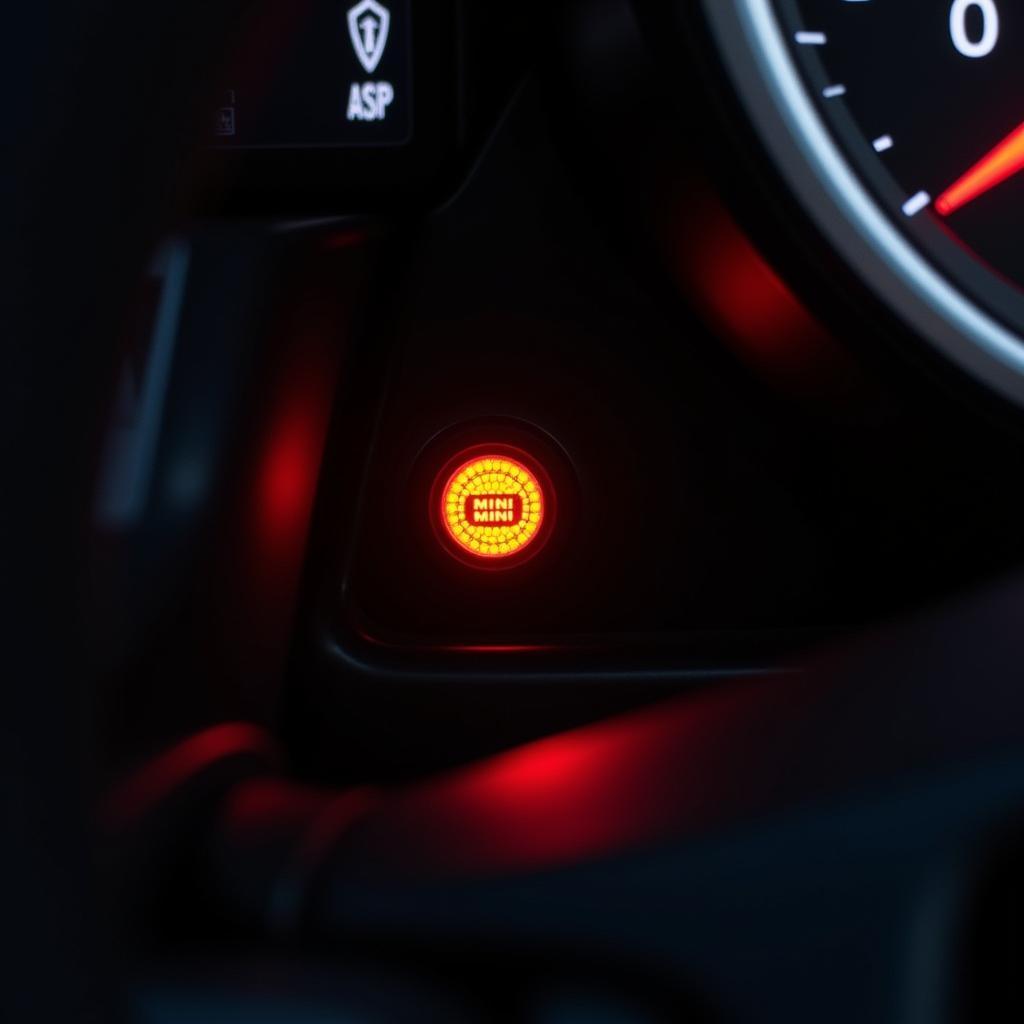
916 203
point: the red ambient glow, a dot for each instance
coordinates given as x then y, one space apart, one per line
749 305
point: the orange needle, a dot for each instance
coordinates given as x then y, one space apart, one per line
1003 162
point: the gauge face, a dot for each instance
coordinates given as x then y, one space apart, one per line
914 112
928 97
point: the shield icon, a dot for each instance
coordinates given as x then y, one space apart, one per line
368 25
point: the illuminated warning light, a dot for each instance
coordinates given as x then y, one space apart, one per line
494 507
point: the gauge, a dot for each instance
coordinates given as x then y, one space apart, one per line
900 126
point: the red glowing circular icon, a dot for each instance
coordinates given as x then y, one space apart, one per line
494 506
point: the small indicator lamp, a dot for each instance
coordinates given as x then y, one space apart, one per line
495 507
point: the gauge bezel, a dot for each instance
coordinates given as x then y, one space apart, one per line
811 161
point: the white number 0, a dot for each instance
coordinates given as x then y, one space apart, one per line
984 45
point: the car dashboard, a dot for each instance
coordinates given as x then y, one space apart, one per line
554 521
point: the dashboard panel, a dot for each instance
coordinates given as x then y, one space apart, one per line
611 251
554 540
691 509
